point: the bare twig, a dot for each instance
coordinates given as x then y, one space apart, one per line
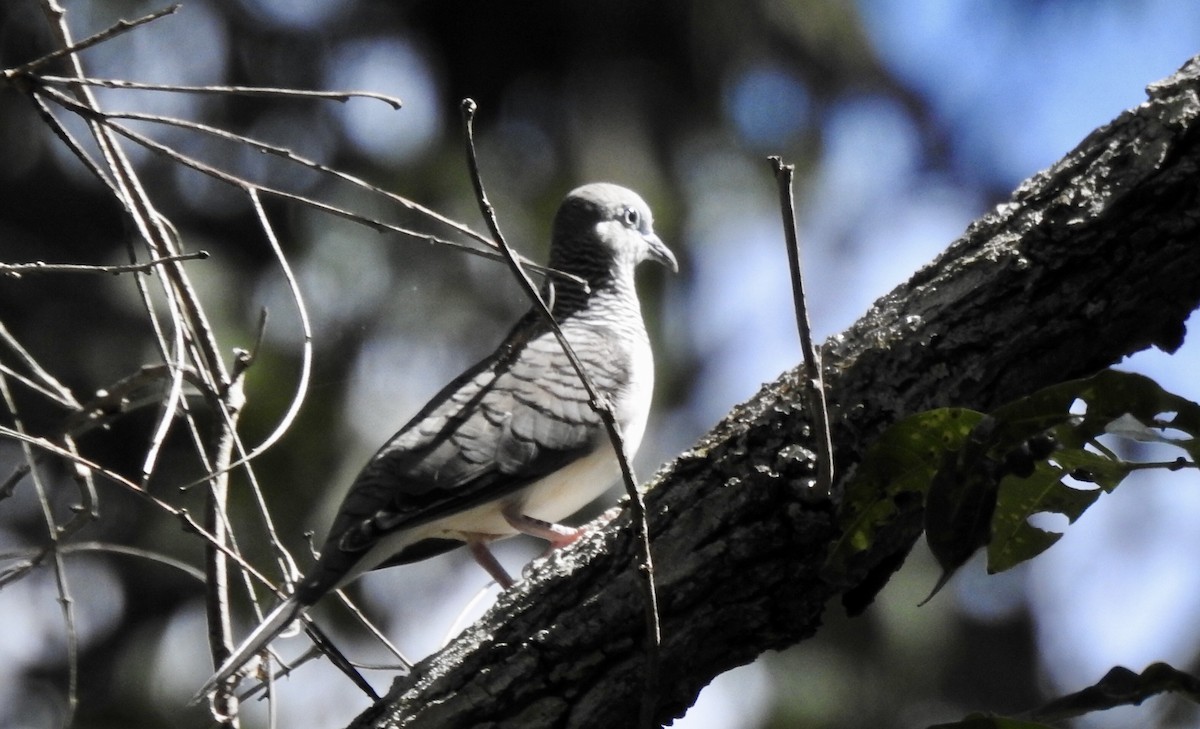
64 135
28 382
167 406
124 396
182 515
40 379
814 387
55 535
86 511
88 508
603 408
233 180
321 646
182 301
220 626
114 548
373 629
16 270
150 224
290 156
109 83
338 659
305 326
121 26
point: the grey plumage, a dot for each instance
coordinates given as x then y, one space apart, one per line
511 445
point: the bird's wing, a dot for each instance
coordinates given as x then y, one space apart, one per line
514 418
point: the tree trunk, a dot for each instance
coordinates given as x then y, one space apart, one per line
1096 258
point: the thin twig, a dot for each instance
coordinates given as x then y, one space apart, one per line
125 396
41 379
373 629
119 399
68 139
55 535
814 387
285 423
460 620
284 560
246 185
288 155
167 407
181 299
16 270
601 406
109 83
338 659
114 548
88 508
28 382
321 645
181 515
220 624
121 26
150 224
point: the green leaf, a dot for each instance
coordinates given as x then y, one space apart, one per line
1120 404
983 477
961 500
1108 396
899 465
1098 468
1014 539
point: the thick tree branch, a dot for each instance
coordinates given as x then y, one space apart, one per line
1091 260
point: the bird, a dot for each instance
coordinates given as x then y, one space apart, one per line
512 445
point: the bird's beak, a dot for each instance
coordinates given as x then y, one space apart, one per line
658 251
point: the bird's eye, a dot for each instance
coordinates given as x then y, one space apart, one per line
631 217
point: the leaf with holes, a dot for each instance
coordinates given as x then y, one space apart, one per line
1116 404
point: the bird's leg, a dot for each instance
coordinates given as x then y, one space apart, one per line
557 534
488 561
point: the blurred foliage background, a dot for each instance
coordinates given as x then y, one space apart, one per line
906 120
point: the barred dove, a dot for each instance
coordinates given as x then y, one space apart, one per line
511 445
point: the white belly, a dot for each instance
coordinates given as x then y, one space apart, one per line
554 497
551 499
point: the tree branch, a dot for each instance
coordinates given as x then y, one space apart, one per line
1091 260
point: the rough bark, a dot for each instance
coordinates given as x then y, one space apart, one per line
1091 260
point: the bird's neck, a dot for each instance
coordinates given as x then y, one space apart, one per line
609 296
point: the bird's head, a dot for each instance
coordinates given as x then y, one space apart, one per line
602 229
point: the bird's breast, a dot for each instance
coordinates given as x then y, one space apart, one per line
632 401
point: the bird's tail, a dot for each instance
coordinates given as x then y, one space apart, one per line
272 626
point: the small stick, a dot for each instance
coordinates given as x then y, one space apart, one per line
112 83
16 270
814 387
